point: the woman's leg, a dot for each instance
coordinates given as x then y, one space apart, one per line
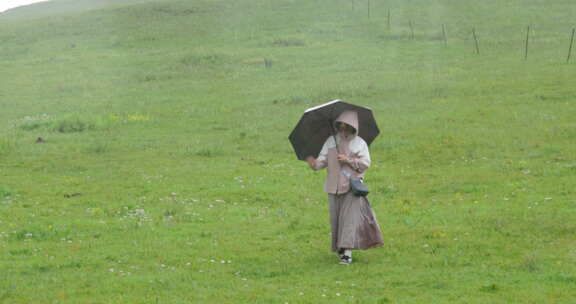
334 211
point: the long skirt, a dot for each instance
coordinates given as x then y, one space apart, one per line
354 224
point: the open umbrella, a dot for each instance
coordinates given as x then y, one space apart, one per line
317 124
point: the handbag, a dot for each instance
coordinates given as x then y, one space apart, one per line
358 187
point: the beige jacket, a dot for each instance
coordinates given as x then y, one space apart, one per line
338 176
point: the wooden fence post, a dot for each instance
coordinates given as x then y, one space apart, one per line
526 45
476 41
570 48
444 35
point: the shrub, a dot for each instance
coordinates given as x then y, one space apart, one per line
208 152
72 125
34 125
287 42
5 192
30 123
5 146
210 59
98 148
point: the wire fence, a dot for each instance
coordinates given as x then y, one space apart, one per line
472 34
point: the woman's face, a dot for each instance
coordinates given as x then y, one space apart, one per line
345 129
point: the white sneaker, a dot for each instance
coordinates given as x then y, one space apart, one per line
345 260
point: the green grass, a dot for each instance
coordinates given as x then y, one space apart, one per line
166 176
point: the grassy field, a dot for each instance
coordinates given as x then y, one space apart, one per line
165 175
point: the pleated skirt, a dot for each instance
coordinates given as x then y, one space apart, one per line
353 222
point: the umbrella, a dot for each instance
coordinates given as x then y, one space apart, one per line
317 124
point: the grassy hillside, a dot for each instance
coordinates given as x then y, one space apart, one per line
164 173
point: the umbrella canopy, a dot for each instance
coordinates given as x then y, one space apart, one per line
317 124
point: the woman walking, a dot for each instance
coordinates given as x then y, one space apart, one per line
346 155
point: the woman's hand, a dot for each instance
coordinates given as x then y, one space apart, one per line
311 162
343 159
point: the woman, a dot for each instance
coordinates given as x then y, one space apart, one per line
346 155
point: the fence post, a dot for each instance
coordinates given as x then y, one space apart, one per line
389 24
570 48
444 35
368 9
526 45
476 41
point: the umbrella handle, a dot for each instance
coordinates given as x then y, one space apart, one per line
334 135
